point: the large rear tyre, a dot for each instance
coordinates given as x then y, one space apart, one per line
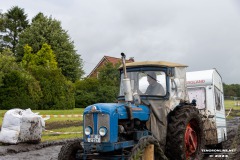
144 142
71 151
185 134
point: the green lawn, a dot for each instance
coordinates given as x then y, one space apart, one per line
231 104
64 119
50 112
59 112
66 123
55 137
48 136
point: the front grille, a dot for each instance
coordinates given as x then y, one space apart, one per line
88 120
103 120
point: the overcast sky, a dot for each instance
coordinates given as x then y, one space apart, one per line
203 34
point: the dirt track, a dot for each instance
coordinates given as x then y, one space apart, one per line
24 151
233 142
49 151
236 143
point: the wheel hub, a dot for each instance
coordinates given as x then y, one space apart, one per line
190 140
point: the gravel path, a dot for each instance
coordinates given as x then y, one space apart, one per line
25 151
48 153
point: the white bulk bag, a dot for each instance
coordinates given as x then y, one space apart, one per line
21 126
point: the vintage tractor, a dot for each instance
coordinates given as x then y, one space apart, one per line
153 110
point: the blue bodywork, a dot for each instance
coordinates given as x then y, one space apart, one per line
114 113
124 126
140 112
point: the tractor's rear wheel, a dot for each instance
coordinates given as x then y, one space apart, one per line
185 134
71 151
144 142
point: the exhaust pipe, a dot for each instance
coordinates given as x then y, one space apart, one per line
126 81
127 88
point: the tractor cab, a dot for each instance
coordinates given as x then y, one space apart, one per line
159 85
154 80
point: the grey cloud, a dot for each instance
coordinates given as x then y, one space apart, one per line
202 34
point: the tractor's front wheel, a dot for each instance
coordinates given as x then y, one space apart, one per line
71 151
144 142
185 134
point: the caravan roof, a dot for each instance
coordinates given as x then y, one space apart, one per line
204 78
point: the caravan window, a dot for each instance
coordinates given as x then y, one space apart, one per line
199 94
218 99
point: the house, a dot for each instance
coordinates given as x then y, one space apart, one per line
104 60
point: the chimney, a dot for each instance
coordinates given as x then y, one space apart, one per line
131 59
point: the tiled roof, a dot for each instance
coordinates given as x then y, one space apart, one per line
115 60
110 59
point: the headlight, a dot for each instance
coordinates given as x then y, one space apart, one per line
88 130
102 131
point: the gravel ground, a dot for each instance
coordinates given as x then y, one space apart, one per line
25 151
50 150
48 153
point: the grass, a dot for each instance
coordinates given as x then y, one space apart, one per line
48 136
55 137
66 124
59 112
69 129
231 104
59 119
1 119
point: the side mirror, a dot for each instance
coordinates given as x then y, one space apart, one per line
136 99
170 72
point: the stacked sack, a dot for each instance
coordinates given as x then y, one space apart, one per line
21 126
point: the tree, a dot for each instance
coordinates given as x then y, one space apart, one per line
44 57
102 90
109 80
12 24
2 20
44 29
109 74
231 90
18 88
58 92
86 92
7 62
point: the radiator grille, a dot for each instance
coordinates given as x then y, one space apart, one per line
88 120
103 120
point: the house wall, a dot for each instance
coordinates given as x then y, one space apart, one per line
104 60
95 72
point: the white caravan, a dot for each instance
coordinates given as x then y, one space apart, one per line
207 89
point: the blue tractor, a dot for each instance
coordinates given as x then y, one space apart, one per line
152 110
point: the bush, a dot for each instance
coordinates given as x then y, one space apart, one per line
58 93
90 91
19 90
86 92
